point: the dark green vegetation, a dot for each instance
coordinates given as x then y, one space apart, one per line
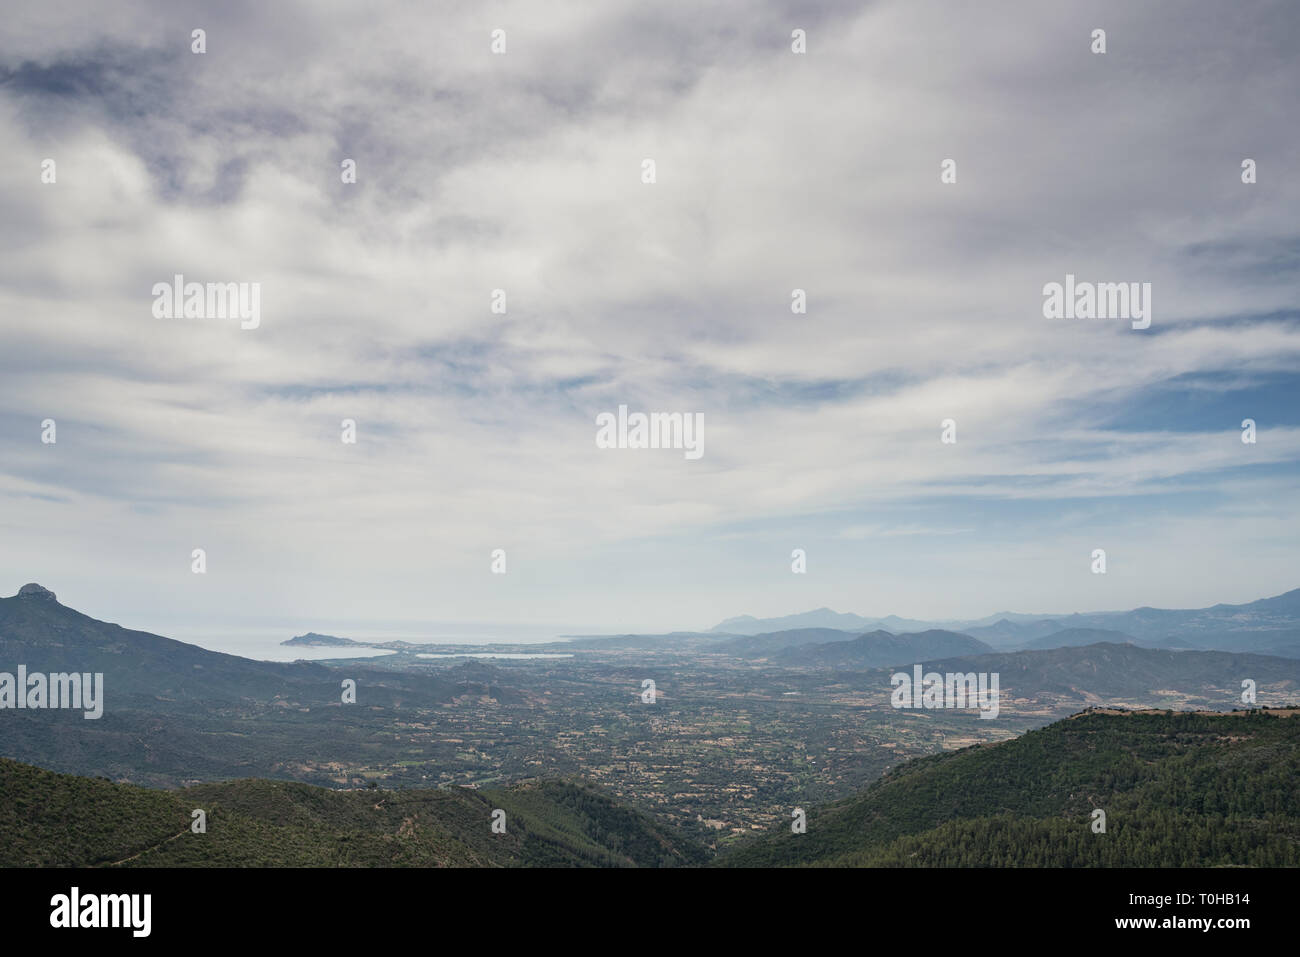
49 819
1178 790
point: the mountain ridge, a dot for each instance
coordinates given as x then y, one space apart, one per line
254 822
1270 624
1032 800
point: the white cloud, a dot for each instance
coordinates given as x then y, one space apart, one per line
522 172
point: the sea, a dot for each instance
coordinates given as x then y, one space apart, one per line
263 643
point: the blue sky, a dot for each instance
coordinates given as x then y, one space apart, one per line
522 171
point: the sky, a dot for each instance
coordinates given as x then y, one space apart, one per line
523 171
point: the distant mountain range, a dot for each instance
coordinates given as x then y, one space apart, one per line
877 649
1064 675
1075 637
819 618
1268 626
763 645
1081 676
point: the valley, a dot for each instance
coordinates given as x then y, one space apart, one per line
742 729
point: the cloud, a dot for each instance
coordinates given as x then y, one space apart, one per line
522 172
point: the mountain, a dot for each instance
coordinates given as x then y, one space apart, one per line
174 713
1080 676
820 618
1072 637
59 820
880 648
757 646
1006 634
1285 646
1177 789
46 636
1267 625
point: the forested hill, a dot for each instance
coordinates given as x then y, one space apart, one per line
49 819
1179 789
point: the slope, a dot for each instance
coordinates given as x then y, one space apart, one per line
1185 789
49 819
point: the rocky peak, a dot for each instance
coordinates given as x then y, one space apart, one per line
35 591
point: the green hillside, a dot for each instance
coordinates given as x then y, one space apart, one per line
1178 790
49 819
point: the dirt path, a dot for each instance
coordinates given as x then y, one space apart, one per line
151 848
